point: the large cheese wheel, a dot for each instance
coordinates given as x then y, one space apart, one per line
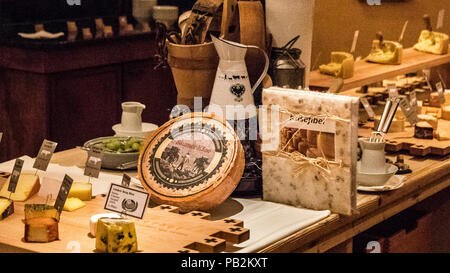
193 162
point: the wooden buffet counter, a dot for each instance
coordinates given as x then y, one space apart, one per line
429 176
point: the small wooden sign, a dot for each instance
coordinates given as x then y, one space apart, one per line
94 162
15 175
45 155
63 193
126 201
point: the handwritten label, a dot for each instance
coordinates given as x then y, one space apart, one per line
314 123
126 201
45 155
126 179
63 193
94 162
367 106
409 111
440 90
15 175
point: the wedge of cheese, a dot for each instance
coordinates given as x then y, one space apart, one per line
433 121
341 65
94 220
432 42
27 186
116 236
41 230
80 190
73 204
40 211
389 52
6 208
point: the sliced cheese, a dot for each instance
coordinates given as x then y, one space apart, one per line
6 208
432 42
443 135
41 230
94 219
341 65
73 204
40 211
116 236
80 190
433 121
389 53
27 186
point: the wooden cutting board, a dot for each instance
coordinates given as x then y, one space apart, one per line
162 230
405 141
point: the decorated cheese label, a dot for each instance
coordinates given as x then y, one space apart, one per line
192 156
15 175
45 155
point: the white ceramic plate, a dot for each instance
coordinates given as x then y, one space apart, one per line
395 182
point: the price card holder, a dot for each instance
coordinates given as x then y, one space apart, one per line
392 89
63 193
413 99
440 90
409 111
126 179
94 162
45 155
367 106
15 175
126 201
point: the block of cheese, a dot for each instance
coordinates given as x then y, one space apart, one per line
41 230
432 42
442 135
80 190
94 219
193 162
115 236
40 211
341 65
397 125
6 208
433 121
298 183
389 52
27 186
445 112
423 130
73 204
435 99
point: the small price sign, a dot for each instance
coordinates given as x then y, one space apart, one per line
94 162
15 175
367 106
45 155
126 201
440 90
392 89
63 193
409 111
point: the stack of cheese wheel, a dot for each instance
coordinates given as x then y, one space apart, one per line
193 162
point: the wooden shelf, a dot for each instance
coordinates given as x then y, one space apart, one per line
367 73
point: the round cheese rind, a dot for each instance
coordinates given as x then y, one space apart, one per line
193 162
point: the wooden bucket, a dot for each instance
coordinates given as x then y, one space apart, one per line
194 70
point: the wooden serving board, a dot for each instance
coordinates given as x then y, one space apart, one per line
405 141
162 230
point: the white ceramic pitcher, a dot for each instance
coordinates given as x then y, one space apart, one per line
232 85
131 116
373 159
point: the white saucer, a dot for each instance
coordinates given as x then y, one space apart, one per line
393 183
146 129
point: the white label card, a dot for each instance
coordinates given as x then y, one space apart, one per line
313 123
126 201
45 155
440 90
94 162
409 111
367 106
